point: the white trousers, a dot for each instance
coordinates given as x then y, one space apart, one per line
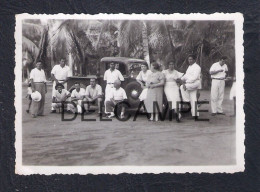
78 104
190 96
55 106
108 89
53 89
217 95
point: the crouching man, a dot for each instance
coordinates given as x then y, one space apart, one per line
117 95
77 97
60 95
93 95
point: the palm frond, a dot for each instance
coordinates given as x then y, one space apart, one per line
29 45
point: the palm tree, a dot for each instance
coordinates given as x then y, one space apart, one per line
71 38
31 34
207 39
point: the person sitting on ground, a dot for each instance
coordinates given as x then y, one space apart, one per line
77 97
93 95
60 95
116 96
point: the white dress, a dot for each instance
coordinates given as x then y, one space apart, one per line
171 88
143 77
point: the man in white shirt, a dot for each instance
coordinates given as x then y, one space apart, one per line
190 84
38 83
60 74
59 97
116 95
218 74
110 76
77 97
93 95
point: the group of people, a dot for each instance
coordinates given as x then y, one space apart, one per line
171 82
175 85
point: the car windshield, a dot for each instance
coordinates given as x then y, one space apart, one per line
134 68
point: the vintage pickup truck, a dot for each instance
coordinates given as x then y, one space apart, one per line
129 68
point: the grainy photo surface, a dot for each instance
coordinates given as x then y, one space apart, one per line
129 93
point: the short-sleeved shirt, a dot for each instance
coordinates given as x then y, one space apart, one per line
155 77
60 73
93 92
61 96
38 76
118 94
143 76
216 67
78 95
172 76
111 76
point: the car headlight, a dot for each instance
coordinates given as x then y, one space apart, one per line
134 94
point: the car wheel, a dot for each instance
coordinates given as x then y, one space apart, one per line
133 91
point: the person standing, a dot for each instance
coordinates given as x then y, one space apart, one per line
110 76
190 84
155 83
93 95
60 74
38 83
218 72
171 88
142 78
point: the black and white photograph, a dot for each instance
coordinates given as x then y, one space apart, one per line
129 93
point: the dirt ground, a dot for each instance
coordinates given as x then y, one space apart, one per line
49 141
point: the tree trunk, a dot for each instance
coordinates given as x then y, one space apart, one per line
201 49
70 65
52 60
170 39
145 44
43 49
28 73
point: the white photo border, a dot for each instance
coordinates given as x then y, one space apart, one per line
240 116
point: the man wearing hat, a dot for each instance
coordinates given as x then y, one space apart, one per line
59 97
39 89
60 74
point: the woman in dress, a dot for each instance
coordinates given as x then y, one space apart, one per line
155 83
142 78
171 87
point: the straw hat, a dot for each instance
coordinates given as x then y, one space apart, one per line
36 96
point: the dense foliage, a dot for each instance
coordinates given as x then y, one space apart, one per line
85 42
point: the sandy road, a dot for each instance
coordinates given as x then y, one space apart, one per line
49 141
